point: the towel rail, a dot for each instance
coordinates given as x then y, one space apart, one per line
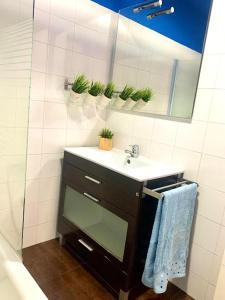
154 192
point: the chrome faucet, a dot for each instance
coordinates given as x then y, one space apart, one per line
134 152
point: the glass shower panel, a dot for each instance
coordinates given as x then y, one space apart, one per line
16 27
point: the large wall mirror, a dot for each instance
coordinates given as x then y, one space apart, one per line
159 46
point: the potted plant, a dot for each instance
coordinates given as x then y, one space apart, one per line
96 89
123 96
80 86
107 96
105 142
130 103
147 95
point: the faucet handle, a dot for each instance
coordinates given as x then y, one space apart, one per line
135 149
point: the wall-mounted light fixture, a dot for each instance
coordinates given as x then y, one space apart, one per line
148 5
161 12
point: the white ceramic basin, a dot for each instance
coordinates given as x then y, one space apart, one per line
140 169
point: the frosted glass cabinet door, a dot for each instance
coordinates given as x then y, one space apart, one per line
100 224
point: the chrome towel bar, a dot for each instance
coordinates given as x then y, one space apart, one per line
154 192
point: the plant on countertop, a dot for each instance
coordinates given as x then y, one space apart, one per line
106 134
96 89
126 93
81 84
147 95
137 95
109 90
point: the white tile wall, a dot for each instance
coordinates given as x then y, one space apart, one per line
70 37
60 51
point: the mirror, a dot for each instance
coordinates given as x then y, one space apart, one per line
159 45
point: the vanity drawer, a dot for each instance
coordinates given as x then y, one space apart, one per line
78 243
102 264
117 194
109 272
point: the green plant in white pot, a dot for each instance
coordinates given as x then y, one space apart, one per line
123 97
132 101
147 95
79 87
106 97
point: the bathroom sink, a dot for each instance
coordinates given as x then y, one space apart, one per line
140 169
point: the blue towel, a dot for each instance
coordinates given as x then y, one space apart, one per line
169 244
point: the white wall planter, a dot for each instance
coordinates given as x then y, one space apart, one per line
75 97
89 105
118 103
140 105
103 102
129 104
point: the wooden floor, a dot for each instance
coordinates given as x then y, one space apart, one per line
61 277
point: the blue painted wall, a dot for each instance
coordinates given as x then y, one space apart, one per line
187 25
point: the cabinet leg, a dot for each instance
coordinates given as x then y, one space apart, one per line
61 240
123 295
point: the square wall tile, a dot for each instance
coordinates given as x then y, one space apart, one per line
214 142
33 166
209 71
49 188
37 85
212 172
46 232
202 107
92 43
36 114
210 292
64 9
61 33
29 236
51 165
220 291
42 4
55 115
143 127
188 160
215 269
206 233
34 141
59 61
220 246
32 191
211 204
217 111
53 140
30 216
220 81
160 152
54 91
41 26
201 261
39 56
165 132
191 136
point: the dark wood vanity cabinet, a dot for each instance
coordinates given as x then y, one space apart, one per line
106 222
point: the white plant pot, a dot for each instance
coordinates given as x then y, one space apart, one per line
103 102
89 105
139 106
129 104
118 103
76 98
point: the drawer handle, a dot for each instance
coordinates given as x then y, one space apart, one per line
91 197
85 245
92 179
